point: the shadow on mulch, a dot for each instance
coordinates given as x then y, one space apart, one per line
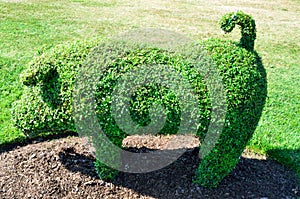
28 140
76 162
252 178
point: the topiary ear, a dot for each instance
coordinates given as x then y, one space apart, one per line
29 76
247 26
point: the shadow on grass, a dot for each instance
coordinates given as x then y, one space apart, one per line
289 157
31 140
252 178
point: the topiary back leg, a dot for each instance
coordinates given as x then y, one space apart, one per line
243 112
225 155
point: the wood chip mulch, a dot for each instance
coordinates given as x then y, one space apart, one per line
63 168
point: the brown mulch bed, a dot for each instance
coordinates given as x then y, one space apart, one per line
63 168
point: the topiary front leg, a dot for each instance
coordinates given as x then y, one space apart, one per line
108 152
104 172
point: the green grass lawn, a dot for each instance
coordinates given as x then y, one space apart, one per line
27 26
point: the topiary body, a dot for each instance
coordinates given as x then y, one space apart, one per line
46 105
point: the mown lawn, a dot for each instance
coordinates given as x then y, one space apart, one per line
28 26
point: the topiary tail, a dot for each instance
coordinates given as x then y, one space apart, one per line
247 26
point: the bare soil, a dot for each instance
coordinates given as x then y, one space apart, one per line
63 168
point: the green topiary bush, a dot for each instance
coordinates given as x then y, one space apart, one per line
46 105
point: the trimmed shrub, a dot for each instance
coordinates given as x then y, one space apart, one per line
46 104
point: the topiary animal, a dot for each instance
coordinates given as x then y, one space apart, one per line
46 105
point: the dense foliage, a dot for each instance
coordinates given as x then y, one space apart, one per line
245 82
46 104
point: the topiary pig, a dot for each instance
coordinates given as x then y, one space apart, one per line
46 105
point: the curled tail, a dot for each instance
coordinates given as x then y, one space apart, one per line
247 26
